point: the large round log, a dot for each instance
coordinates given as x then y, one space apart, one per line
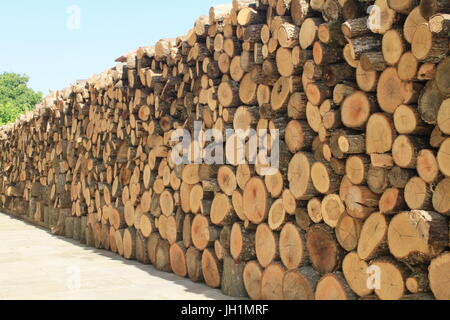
256 201
267 245
333 286
252 279
293 252
417 236
272 282
324 251
300 284
439 273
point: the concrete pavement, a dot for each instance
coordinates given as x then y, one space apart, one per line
37 265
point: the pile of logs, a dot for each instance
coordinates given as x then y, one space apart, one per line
360 205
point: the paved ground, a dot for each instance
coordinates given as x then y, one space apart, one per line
37 265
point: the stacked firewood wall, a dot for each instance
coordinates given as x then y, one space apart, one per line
359 208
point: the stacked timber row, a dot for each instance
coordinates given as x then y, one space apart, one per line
360 91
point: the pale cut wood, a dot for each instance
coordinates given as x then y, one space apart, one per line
203 235
440 24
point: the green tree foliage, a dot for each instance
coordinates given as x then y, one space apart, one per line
15 97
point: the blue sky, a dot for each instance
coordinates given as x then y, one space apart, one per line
36 40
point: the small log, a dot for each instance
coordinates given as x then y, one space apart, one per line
418 282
